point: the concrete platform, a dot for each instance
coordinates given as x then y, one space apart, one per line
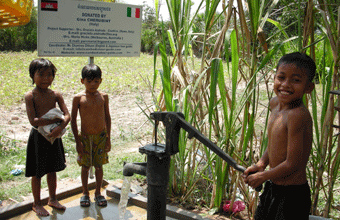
70 197
172 212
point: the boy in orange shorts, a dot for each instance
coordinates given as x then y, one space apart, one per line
93 143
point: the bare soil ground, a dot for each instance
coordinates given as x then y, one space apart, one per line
127 119
125 115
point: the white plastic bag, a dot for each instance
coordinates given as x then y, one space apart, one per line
47 129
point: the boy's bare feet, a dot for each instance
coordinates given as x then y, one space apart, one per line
40 210
56 204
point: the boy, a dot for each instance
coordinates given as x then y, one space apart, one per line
290 133
44 157
95 117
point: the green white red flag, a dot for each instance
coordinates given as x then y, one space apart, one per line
133 12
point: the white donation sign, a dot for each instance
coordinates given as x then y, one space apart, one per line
88 28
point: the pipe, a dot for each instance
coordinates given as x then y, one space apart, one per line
132 168
157 172
157 178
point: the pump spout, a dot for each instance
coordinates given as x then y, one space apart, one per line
134 168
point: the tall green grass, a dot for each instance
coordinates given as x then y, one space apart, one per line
327 146
228 102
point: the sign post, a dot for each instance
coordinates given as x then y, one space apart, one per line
69 28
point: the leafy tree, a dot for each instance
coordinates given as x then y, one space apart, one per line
21 37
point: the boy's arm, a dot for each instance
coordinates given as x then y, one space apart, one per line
107 122
297 121
30 108
74 126
259 166
264 161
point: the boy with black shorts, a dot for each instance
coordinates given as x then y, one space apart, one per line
43 155
286 193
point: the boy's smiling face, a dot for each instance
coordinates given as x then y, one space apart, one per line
291 83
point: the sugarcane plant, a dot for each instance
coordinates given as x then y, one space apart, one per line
226 95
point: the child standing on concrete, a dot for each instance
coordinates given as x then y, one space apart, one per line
93 143
286 193
44 156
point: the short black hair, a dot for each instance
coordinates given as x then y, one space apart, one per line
91 71
301 60
41 64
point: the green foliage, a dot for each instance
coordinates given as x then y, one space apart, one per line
149 30
236 117
21 37
148 40
11 155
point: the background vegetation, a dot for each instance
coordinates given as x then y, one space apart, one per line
217 68
229 103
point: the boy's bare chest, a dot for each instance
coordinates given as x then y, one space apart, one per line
277 125
44 102
92 102
277 138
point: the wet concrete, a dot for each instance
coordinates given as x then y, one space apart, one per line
75 211
70 197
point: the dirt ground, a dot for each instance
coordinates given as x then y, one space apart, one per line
125 115
127 119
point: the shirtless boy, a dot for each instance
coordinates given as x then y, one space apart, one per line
286 193
93 107
44 157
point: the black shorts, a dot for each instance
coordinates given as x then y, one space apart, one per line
284 202
42 156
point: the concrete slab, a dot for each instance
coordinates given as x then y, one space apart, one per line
140 201
70 197
26 206
75 211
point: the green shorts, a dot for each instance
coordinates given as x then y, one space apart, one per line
98 156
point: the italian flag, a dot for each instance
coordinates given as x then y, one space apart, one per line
133 12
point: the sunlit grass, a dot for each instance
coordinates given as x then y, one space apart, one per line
120 75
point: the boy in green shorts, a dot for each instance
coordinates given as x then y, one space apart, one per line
93 143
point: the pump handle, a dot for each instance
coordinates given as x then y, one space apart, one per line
173 121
